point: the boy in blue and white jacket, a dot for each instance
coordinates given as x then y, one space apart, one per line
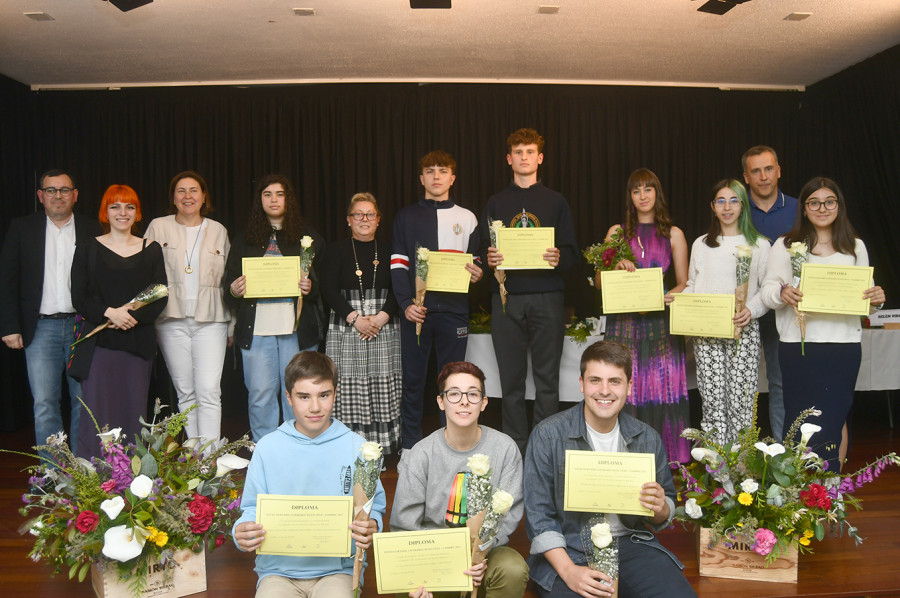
311 455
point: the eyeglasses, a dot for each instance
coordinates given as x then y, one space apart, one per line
454 395
721 201
360 216
53 191
815 204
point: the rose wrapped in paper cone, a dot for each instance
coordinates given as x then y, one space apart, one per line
799 253
421 283
306 257
365 481
152 293
742 274
420 301
484 526
500 275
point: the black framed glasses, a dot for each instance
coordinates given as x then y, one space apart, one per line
815 204
455 395
53 191
360 216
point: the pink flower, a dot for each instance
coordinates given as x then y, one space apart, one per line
717 493
220 539
87 521
765 541
108 486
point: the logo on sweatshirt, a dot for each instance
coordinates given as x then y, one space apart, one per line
347 481
458 504
524 220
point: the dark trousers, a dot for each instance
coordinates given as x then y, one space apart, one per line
448 333
824 378
646 569
536 322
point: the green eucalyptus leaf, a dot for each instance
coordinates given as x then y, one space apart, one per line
149 467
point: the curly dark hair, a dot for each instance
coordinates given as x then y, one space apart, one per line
640 178
258 226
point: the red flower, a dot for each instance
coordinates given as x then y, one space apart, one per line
108 486
220 539
202 512
86 522
608 256
816 497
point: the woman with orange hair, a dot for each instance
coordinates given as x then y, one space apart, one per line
107 274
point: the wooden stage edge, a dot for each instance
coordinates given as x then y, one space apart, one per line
837 568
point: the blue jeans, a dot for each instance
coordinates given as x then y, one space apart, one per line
769 335
46 358
264 364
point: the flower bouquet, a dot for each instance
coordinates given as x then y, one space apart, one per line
307 253
744 257
421 280
136 506
799 253
152 293
500 275
604 256
601 550
769 498
366 472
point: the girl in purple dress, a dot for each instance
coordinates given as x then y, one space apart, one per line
659 396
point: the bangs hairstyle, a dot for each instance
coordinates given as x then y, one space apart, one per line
745 221
644 177
459 367
843 235
525 137
358 197
310 365
190 174
437 158
611 352
118 194
258 226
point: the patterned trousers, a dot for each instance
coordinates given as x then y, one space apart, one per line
728 381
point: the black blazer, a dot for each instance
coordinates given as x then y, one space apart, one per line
22 270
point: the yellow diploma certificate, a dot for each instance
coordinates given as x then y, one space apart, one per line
271 276
627 292
607 482
434 559
447 272
702 315
835 289
305 525
523 248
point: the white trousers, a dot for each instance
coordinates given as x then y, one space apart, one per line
195 354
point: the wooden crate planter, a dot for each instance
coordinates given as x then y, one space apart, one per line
730 563
188 577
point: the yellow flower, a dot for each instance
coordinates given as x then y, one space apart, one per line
160 538
804 541
809 533
745 499
789 532
232 494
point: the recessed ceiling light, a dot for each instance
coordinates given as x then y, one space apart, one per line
548 9
798 16
39 16
305 12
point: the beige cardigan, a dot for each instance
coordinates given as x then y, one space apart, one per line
210 263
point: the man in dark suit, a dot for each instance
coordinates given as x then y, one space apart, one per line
36 312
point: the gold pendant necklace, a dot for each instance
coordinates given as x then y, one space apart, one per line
188 269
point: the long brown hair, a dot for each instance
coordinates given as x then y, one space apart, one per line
843 235
258 226
644 177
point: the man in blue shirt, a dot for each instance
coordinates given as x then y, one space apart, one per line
773 214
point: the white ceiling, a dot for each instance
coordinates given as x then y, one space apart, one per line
90 43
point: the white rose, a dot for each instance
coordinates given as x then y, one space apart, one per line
601 536
227 463
496 225
371 451
798 248
749 486
501 502
479 464
113 506
306 242
422 254
141 486
744 251
693 509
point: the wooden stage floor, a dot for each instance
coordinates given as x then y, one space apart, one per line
837 568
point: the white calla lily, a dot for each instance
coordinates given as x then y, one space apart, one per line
111 436
141 486
770 450
806 432
704 454
227 463
191 443
113 506
122 544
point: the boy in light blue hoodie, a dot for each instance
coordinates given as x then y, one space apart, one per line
310 455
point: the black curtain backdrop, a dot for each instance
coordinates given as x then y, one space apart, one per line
335 140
